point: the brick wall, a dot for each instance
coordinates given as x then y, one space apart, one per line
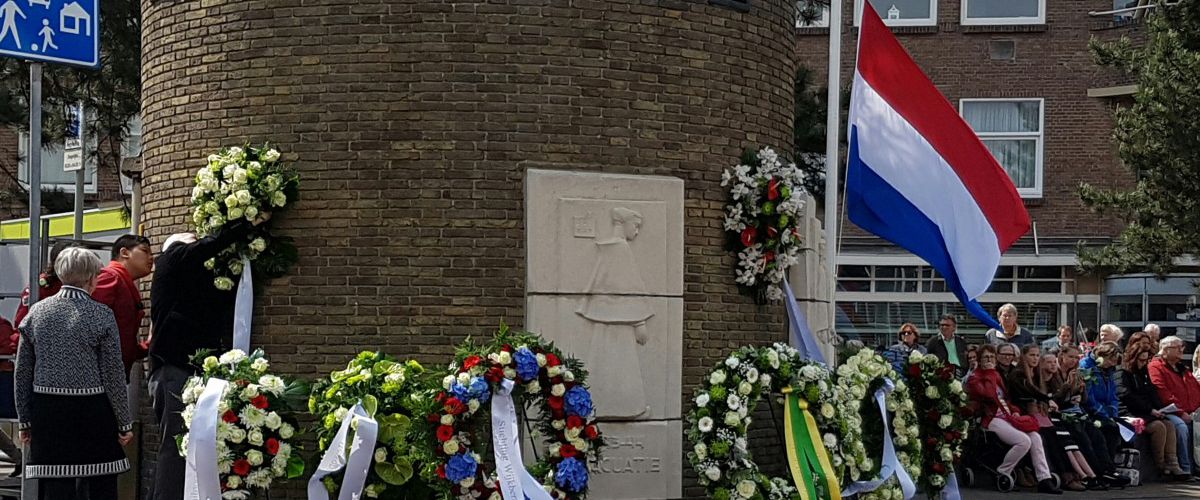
412 123
1052 61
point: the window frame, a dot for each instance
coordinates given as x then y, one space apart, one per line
1039 166
90 177
930 21
821 22
992 21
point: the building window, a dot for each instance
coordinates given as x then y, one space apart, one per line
1012 130
1004 12
812 14
901 12
53 176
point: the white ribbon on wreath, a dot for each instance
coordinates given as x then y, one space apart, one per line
515 481
358 461
890 464
243 308
200 480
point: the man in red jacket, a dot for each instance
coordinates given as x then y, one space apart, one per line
116 287
1177 386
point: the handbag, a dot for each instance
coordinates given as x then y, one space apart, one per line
1023 423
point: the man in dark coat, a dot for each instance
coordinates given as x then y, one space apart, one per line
947 347
188 313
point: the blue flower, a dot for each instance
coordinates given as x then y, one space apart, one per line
572 475
527 364
480 389
461 466
460 391
578 402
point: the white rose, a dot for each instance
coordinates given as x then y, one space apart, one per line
827 410
717 377
234 481
278 199
450 447
558 390
956 387
915 356
237 436
568 375
533 387
505 357
381 454
732 419
286 431
273 421
467 482
701 451
830 441
447 420
946 454
559 424
255 437
510 374
255 457
745 388
270 155
705 424
541 359
746 488
250 392
555 449
931 392
945 421
732 362
473 405
260 365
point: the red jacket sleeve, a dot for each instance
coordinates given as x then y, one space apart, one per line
106 289
1163 381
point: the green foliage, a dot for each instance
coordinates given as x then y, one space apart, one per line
1158 138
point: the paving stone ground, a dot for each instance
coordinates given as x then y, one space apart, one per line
1150 491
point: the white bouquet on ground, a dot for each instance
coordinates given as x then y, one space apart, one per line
254 426
245 185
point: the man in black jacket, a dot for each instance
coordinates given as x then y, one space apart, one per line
187 313
947 347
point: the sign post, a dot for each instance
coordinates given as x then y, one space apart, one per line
53 31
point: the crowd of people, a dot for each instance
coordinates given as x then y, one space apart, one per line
75 348
1059 405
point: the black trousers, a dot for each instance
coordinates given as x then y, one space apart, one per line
84 488
166 386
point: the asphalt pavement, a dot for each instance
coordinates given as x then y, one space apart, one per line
1150 491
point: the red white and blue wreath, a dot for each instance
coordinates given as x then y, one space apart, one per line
543 379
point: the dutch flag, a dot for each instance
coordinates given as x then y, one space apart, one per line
917 174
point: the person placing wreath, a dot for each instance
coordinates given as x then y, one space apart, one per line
70 387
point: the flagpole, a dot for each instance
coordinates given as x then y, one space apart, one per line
832 131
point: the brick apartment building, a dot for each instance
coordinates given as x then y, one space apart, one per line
1021 73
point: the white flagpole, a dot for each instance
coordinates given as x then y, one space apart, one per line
832 130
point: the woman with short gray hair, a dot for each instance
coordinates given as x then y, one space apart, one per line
70 387
1176 385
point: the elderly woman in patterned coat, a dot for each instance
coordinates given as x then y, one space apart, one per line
70 387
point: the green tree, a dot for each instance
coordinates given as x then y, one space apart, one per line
1158 137
111 93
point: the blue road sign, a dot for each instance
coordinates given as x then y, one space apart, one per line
55 31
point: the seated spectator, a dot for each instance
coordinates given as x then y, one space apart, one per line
1065 337
947 346
1006 358
910 340
1176 386
1154 332
1139 398
986 388
1011 332
1069 390
1110 333
1139 338
1102 402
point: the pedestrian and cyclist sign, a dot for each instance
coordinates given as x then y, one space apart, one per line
55 31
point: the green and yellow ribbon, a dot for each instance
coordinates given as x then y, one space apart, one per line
807 456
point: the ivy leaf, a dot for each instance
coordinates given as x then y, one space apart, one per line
395 473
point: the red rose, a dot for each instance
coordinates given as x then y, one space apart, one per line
470 362
748 236
557 414
773 189
229 417
947 372
591 432
552 359
455 407
932 415
938 468
953 436
555 402
272 446
494 374
914 371
931 442
574 421
567 451
241 467
506 348
445 432
259 402
769 256
433 418
441 471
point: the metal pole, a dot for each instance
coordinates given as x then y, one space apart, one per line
29 488
135 208
79 177
832 132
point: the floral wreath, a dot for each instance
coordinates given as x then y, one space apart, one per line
393 394
717 425
544 379
941 400
244 184
861 446
255 423
762 219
